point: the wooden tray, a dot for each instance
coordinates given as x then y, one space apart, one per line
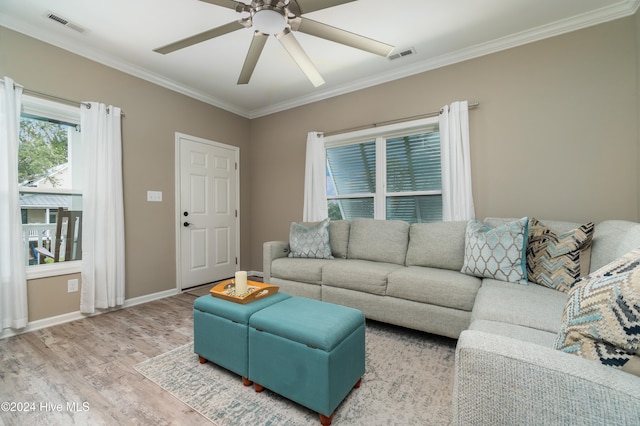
255 290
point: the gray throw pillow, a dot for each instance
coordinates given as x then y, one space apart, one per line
310 240
499 252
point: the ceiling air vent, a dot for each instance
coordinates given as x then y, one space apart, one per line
63 21
402 54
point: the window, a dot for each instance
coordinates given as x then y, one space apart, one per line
49 182
386 173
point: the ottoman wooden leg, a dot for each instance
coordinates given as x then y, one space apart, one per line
246 381
257 387
326 421
202 359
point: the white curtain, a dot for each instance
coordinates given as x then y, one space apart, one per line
457 197
13 276
315 179
103 272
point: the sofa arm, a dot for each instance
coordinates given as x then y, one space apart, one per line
503 381
272 250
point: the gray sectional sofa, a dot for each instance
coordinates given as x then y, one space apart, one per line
507 370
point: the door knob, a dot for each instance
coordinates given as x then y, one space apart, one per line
187 224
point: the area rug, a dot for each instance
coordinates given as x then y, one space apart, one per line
408 381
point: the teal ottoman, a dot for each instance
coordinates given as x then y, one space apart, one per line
221 330
308 351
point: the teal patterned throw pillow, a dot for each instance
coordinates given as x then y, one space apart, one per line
601 320
310 240
499 253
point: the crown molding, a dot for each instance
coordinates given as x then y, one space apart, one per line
126 67
617 11
620 10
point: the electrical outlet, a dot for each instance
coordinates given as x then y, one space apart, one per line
72 285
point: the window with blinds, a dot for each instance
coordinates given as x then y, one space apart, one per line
389 176
413 178
351 180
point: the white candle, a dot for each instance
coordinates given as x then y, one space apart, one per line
241 282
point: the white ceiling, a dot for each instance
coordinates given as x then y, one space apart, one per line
122 34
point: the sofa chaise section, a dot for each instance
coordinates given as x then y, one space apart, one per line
506 381
508 370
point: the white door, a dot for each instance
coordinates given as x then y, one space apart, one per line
208 211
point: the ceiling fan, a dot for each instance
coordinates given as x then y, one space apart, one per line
280 18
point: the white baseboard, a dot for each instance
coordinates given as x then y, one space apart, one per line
72 316
150 297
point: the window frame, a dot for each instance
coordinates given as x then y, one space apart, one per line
45 108
379 135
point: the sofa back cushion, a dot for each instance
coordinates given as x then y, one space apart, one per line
339 238
611 240
437 245
378 240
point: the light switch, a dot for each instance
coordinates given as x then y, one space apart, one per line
155 196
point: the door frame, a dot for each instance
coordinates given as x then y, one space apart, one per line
178 210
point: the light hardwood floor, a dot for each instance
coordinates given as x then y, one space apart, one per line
82 372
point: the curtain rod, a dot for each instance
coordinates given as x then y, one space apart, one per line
58 98
472 105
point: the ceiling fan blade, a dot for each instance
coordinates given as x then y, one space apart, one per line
231 4
198 38
328 32
257 44
307 6
294 49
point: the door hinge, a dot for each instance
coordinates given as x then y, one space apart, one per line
236 166
236 260
236 212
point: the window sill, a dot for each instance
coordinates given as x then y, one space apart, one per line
53 269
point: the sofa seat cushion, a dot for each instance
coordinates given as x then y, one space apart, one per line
530 305
299 269
518 332
359 275
441 287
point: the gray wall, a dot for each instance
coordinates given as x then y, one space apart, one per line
555 136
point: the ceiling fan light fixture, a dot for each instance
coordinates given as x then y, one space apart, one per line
269 21
279 18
